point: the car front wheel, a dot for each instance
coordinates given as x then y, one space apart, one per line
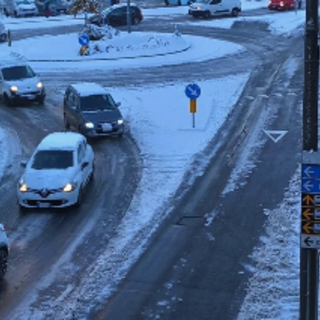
80 197
7 100
235 12
3 262
66 124
136 21
207 14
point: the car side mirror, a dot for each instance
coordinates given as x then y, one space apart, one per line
118 104
23 163
84 165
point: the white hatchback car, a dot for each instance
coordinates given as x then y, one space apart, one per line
57 173
18 82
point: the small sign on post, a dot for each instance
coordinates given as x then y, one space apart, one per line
84 42
193 92
84 39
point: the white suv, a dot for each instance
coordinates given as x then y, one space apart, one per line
18 82
4 251
57 173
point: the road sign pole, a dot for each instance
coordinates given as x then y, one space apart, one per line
128 16
309 259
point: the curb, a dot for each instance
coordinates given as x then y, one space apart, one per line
112 59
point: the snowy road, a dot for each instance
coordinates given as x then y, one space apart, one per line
170 284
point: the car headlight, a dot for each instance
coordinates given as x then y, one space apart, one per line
120 121
23 187
14 88
69 187
39 85
89 125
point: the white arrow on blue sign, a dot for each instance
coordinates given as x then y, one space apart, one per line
192 91
84 40
310 171
310 186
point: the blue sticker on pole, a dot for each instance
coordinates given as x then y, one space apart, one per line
192 91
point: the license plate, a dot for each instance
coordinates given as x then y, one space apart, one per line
106 127
44 205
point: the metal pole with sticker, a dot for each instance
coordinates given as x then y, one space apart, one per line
193 92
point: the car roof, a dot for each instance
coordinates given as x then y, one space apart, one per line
120 5
85 89
12 59
61 141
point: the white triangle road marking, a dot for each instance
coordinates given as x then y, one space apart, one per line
275 135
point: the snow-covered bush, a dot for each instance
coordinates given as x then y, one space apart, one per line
97 33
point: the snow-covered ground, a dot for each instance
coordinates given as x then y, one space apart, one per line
283 23
65 20
153 50
160 132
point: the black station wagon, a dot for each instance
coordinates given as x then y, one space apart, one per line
91 110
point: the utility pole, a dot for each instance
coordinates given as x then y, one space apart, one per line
309 258
128 16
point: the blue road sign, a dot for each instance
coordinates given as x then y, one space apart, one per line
84 40
193 91
310 186
310 171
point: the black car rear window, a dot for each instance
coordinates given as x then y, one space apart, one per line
52 159
97 103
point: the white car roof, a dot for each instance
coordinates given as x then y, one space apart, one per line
88 88
12 59
61 141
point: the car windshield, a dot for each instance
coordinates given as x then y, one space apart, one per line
96 103
204 1
17 73
52 159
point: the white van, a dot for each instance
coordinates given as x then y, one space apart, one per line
18 82
209 8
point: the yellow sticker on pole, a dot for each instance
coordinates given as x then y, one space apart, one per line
193 105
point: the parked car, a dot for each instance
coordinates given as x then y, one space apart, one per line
3 32
91 110
18 82
20 8
178 2
209 8
55 7
283 4
4 251
116 15
57 173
